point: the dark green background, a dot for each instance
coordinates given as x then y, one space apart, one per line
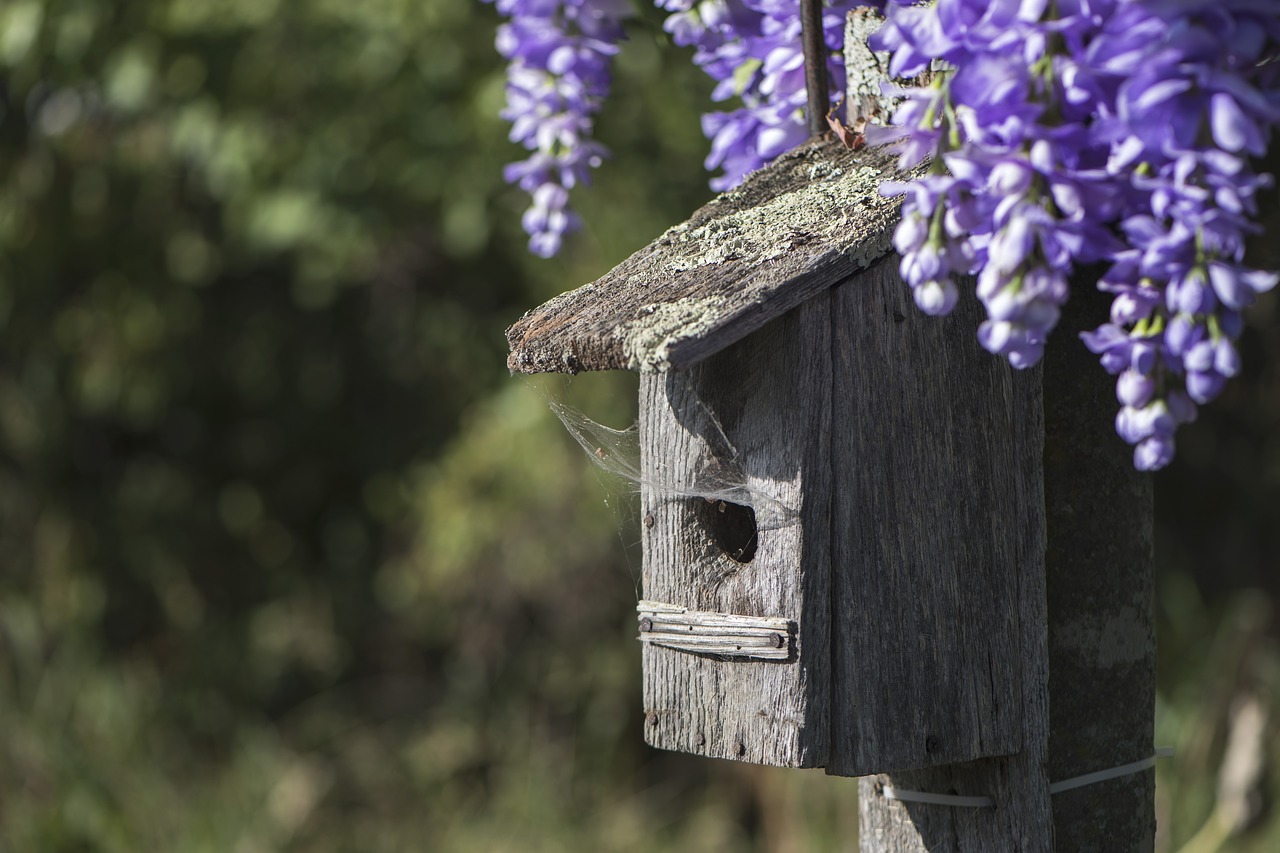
288 561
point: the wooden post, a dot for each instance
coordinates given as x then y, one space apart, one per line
1101 587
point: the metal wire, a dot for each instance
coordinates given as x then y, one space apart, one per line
815 64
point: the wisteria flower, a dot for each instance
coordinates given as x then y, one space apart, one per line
560 53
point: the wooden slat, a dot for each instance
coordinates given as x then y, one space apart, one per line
793 229
759 410
727 635
936 467
939 655
866 71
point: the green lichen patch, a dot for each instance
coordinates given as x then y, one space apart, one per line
646 340
820 210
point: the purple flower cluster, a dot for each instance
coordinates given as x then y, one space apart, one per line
559 54
1062 132
1190 99
1082 131
752 49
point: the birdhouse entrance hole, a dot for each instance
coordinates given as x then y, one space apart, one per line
731 526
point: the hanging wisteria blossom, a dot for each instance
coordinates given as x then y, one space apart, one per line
1059 133
559 74
1081 132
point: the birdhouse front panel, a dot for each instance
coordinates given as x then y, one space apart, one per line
736 619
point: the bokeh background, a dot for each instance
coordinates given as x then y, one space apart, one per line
289 562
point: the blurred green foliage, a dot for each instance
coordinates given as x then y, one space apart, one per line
286 560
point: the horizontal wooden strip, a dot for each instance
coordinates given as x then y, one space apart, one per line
726 650
725 634
659 607
658 626
672 615
668 638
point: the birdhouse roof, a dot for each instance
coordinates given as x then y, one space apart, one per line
802 224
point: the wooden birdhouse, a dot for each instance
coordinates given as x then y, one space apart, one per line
843 533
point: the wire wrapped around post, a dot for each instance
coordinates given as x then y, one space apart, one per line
815 64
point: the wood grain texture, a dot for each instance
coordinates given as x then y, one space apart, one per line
760 409
1101 592
792 230
1100 637
939 649
867 73
936 526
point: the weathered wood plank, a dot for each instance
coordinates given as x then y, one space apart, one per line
793 229
867 73
1100 640
939 635
757 412
724 634
937 521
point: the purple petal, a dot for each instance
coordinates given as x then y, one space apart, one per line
1232 128
1154 453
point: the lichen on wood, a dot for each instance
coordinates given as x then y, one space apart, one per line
762 232
872 96
791 230
647 338
865 70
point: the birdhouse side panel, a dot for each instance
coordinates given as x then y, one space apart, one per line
938 531
736 547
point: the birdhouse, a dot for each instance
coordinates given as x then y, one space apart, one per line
843 530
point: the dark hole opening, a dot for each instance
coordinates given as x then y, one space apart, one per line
732 527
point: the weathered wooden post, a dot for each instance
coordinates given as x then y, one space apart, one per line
868 545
